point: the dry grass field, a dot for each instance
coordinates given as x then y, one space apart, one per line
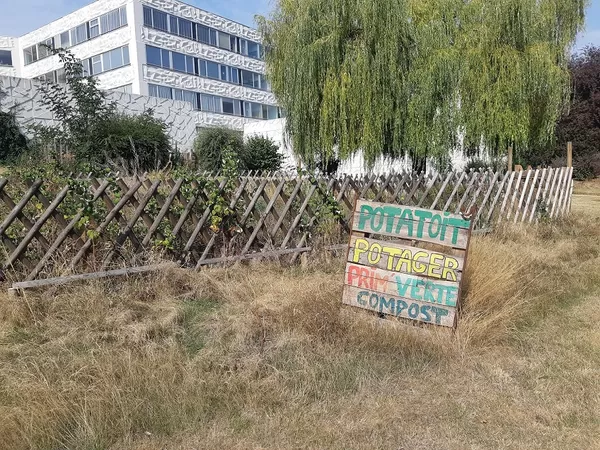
261 357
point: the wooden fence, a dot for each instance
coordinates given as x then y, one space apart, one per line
48 228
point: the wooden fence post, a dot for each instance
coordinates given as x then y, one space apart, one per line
510 159
569 154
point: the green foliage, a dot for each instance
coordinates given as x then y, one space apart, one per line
90 128
399 77
261 153
211 144
581 125
12 142
78 108
134 143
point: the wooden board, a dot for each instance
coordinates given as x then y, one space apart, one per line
411 223
400 285
397 307
405 259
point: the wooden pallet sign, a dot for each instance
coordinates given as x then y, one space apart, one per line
413 269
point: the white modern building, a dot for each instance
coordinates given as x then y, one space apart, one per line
158 48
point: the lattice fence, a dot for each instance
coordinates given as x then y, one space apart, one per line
96 224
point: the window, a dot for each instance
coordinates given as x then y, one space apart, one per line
94 28
250 79
153 56
253 49
178 62
65 39
61 76
185 28
96 62
126 60
190 65
166 61
159 20
5 58
213 36
234 46
212 69
231 106
147 16
116 58
113 20
224 40
173 25
160 91
224 70
80 34
202 67
208 103
203 34
234 76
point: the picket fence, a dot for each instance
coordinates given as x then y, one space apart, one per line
98 224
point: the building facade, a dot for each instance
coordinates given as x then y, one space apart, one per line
158 48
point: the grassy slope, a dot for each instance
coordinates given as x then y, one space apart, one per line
269 361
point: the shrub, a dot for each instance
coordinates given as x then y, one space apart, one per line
210 145
12 141
261 153
132 143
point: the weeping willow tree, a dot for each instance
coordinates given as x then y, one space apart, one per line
418 77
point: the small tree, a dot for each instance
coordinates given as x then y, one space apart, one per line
261 153
78 108
12 142
132 143
210 146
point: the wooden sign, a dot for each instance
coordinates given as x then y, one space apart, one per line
400 277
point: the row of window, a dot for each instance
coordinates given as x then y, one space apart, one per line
95 65
216 104
84 32
5 58
184 63
178 26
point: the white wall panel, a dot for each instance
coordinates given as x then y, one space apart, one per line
157 75
71 20
182 45
199 15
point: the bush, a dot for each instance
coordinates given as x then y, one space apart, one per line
12 141
261 153
131 143
210 145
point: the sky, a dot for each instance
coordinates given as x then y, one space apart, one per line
22 16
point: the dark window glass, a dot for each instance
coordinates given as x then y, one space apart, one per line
5 58
126 55
159 19
203 34
234 76
185 28
189 65
61 76
247 78
178 62
123 15
166 63
153 56
224 70
202 64
173 22
147 16
212 69
224 41
253 50
105 62
213 36
227 106
96 62
234 47
256 110
80 34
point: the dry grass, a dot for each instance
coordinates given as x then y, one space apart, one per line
261 357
